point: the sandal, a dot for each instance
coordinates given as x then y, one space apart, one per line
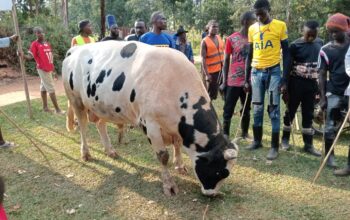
7 144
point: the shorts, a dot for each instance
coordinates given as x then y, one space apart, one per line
47 84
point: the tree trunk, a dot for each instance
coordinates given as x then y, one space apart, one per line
36 7
103 18
64 12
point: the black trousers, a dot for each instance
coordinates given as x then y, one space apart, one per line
232 94
213 87
301 91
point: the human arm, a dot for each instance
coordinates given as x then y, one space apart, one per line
286 65
322 79
203 56
248 67
5 42
347 62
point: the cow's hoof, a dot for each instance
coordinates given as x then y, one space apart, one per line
181 170
86 157
112 154
170 188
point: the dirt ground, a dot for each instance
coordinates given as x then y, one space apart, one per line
12 87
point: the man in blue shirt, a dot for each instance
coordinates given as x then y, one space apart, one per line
5 42
181 43
156 37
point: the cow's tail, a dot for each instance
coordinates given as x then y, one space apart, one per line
70 122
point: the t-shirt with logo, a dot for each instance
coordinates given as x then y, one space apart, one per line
237 46
158 40
42 54
266 40
332 59
305 57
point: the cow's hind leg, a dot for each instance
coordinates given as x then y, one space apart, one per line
70 118
102 130
120 133
81 114
154 134
179 165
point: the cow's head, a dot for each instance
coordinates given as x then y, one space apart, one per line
214 166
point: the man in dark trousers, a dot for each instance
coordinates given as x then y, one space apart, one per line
266 38
140 29
212 53
233 82
302 85
332 61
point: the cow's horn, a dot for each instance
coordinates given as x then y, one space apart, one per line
230 154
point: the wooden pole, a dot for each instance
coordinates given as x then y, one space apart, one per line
333 145
21 61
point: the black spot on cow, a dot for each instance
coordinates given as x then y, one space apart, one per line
68 54
101 77
128 50
119 82
71 81
88 78
182 99
204 121
186 95
90 61
93 90
117 109
109 72
184 106
132 95
96 98
88 90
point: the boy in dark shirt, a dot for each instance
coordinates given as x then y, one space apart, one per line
302 85
331 59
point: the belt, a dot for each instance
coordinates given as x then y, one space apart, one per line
267 68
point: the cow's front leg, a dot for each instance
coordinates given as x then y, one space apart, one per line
106 141
81 115
179 165
154 134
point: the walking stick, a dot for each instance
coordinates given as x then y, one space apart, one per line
332 147
241 119
292 130
25 134
323 137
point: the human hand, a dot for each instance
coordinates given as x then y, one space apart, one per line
246 87
14 38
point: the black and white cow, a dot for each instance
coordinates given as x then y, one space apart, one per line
157 88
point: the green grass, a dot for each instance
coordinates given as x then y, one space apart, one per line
130 187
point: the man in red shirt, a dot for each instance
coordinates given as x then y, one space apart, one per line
233 82
41 51
2 191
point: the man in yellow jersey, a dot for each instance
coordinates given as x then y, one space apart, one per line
263 72
212 53
84 37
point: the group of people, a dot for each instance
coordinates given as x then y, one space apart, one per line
258 60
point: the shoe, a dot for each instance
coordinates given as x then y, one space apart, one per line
331 159
7 144
245 127
226 128
273 153
285 140
342 172
309 147
257 131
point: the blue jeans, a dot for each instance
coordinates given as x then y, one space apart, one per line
266 81
334 105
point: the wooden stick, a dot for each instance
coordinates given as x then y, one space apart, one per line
21 61
205 212
333 145
24 133
241 119
297 121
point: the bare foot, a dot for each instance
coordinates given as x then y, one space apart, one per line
181 170
112 154
60 112
170 187
86 157
47 110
